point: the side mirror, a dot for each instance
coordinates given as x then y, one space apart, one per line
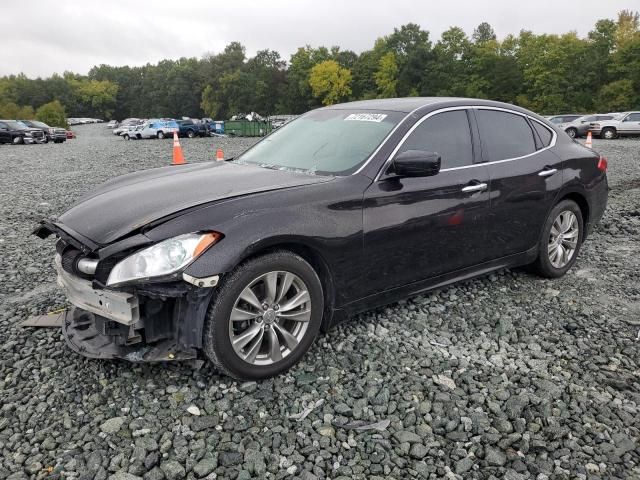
416 163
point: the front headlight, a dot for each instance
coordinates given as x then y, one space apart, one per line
28 134
162 259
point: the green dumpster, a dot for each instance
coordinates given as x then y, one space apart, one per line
245 128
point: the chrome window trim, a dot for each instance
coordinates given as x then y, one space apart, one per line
467 107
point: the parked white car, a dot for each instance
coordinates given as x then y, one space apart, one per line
627 123
154 128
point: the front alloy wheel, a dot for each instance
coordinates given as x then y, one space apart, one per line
264 316
270 318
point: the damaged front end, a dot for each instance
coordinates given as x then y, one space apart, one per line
148 320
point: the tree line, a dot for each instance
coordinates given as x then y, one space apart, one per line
546 73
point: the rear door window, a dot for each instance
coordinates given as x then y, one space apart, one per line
633 117
447 134
504 135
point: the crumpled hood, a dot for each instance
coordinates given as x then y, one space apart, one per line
126 203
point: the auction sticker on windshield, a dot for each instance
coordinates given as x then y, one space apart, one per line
367 117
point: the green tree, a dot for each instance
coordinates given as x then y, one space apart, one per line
53 114
10 110
299 95
412 48
98 95
387 76
483 33
627 27
330 82
617 96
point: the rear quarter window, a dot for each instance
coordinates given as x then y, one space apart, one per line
543 132
504 135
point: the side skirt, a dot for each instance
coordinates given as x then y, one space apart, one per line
393 295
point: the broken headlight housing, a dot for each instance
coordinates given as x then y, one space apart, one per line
162 259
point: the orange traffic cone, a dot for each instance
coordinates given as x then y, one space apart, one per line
219 155
589 141
178 157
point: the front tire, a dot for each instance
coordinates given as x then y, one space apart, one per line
160 135
264 317
561 240
572 132
191 134
609 133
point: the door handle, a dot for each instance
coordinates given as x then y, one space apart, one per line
547 172
478 187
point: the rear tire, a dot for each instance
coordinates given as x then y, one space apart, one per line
262 325
561 240
160 135
609 133
191 134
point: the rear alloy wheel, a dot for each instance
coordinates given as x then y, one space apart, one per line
191 133
561 240
609 133
160 135
264 317
572 132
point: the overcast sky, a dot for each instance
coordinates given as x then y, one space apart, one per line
43 37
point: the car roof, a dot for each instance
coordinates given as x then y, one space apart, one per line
409 104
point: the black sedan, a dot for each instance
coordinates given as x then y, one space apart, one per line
344 209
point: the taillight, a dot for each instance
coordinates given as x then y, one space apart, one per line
602 164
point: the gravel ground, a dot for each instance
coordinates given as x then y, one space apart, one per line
507 376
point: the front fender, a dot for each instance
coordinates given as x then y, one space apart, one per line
325 217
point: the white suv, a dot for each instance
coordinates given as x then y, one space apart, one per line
627 123
152 129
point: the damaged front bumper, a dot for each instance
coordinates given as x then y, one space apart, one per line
154 322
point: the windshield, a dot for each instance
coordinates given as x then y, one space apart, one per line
39 124
329 142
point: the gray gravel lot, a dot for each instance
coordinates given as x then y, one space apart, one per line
507 376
